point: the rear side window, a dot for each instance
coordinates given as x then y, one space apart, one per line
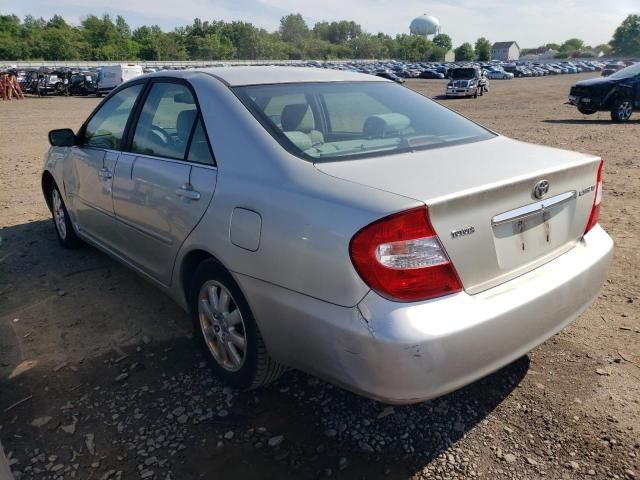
199 150
106 127
166 122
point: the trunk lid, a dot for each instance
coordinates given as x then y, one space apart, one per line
482 204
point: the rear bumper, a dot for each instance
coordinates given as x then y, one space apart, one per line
406 353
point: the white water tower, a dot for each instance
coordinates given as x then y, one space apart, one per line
424 25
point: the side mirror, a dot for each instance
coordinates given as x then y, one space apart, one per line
62 137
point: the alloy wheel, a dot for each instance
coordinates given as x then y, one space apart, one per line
624 110
58 213
222 326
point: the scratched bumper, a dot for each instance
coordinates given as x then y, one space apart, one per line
406 353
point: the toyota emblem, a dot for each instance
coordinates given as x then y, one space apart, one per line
541 189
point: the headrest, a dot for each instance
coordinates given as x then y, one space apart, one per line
297 116
184 123
385 124
300 140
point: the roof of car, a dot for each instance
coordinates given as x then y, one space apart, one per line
235 76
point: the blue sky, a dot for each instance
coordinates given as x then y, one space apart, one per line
530 23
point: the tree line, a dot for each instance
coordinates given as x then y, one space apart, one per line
105 38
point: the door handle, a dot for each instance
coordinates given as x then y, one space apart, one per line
187 192
105 174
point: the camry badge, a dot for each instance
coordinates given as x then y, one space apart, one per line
541 189
463 232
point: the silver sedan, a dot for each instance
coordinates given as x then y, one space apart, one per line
333 222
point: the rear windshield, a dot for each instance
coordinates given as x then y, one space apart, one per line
346 120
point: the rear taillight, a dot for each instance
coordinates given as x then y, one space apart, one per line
595 210
401 258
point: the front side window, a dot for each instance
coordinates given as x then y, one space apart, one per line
106 127
343 120
166 122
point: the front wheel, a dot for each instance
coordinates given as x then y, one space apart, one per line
621 110
226 328
64 228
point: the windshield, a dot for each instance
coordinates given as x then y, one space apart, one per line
463 73
628 72
345 120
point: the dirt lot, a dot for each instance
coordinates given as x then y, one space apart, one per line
100 379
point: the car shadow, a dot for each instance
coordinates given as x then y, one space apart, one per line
585 121
440 98
101 350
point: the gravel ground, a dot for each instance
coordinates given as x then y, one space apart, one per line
100 378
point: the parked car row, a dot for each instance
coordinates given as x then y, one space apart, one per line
101 80
70 81
494 69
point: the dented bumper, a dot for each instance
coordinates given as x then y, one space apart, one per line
406 353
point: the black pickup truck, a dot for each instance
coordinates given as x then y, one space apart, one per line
618 93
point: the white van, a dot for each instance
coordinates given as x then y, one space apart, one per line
110 76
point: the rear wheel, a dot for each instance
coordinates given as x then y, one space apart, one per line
64 229
228 331
621 110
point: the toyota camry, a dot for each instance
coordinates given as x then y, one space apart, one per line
333 222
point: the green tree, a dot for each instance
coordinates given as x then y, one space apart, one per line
605 48
11 47
572 47
437 54
343 31
413 48
369 46
483 49
443 40
626 39
293 28
464 52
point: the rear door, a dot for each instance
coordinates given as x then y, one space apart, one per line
93 163
164 184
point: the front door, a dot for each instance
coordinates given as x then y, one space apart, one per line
94 162
155 200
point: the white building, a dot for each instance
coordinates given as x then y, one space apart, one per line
505 51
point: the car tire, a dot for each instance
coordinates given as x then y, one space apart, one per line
621 110
585 111
62 222
226 329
